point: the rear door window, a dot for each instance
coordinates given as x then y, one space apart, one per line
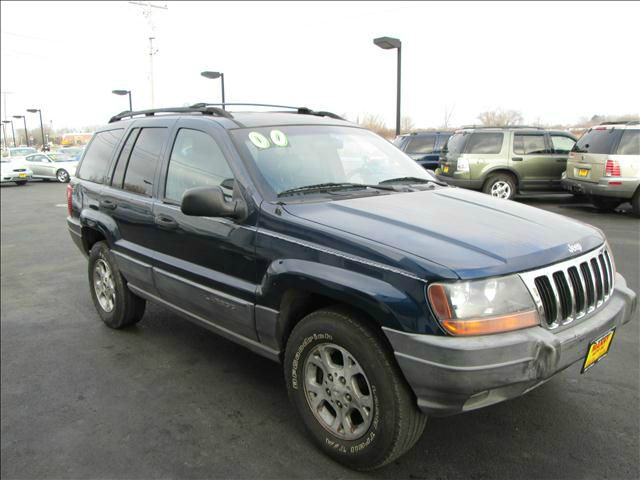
143 161
485 143
529 144
629 143
123 158
421 144
562 144
597 140
98 155
442 142
196 161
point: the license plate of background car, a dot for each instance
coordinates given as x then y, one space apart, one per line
445 169
22 175
583 172
598 349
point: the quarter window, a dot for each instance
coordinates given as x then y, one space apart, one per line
562 144
123 158
629 143
196 161
529 144
144 158
98 155
485 143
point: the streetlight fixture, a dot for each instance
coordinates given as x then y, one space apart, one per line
26 133
124 92
213 76
389 43
34 110
13 133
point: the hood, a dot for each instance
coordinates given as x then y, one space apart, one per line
470 233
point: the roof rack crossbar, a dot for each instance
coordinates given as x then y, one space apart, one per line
621 122
300 110
503 126
205 110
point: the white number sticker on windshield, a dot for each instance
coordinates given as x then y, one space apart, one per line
279 138
259 140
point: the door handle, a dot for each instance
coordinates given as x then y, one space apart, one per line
108 204
164 221
516 159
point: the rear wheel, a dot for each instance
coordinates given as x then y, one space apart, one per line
350 394
635 203
501 185
21 183
604 204
116 304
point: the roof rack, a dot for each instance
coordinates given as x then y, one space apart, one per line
503 126
300 110
622 122
200 108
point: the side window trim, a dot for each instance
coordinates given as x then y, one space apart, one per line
135 132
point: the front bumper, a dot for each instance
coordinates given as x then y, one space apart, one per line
454 374
603 188
15 177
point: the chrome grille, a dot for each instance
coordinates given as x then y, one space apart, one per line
569 290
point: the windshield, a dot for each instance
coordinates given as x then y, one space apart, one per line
21 152
291 157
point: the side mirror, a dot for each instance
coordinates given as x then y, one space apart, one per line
208 202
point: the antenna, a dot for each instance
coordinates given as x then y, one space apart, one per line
147 12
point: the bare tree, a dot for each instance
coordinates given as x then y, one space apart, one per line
447 115
500 118
373 122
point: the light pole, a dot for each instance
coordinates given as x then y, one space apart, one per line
389 43
214 75
34 110
13 133
124 92
4 137
26 133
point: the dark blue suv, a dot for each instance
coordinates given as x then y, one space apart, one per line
424 147
313 242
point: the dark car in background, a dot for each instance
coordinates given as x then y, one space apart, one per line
423 147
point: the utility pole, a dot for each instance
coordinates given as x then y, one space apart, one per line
147 12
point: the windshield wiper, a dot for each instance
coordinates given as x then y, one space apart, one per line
411 180
329 186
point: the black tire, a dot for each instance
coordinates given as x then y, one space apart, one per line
21 183
396 423
63 176
635 203
604 204
497 179
127 308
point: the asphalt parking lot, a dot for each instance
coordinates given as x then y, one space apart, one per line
168 399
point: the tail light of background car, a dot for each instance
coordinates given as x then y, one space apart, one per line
69 198
612 169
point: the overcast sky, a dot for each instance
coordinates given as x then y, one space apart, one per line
555 62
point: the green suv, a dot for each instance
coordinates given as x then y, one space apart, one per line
503 161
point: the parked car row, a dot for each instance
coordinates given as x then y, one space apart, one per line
22 164
603 165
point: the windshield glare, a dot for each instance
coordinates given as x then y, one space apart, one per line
21 152
297 156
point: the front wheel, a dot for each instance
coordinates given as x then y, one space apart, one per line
635 203
501 185
62 176
21 183
350 394
116 304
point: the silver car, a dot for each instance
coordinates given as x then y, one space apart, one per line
51 166
14 170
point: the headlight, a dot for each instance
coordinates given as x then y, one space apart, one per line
484 306
463 165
